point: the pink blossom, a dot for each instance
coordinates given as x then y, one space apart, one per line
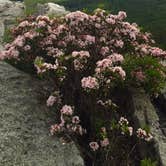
42 24
122 15
75 18
123 121
104 64
119 43
144 50
67 110
144 135
27 47
12 52
3 55
97 25
110 21
80 54
19 41
75 120
104 50
90 39
30 34
140 76
42 18
130 129
54 52
78 65
94 146
55 129
89 83
116 58
24 24
120 71
157 52
51 100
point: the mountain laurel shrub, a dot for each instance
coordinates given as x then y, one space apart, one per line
87 57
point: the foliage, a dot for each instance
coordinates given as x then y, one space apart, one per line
148 162
7 36
144 71
86 56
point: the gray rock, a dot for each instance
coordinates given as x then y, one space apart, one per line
145 115
24 125
2 30
9 11
51 9
162 100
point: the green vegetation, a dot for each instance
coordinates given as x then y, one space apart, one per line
148 13
150 73
148 162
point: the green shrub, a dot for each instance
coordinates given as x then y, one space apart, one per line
148 162
150 70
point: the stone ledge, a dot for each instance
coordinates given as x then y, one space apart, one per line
145 115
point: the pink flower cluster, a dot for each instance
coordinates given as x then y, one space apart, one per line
66 110
144 135
139 75
104 64
103 143
94 146
102 33
80 59
108 65
124 126
80 54
116 58
69 123
89 83
51 100
123 121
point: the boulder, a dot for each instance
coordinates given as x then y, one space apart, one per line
9 11
51 9
145 115
24 124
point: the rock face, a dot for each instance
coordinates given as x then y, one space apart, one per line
9 11
24 135
24 121
146 115
51 9
2 30
162 100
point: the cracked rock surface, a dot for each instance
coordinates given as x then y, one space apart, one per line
24 134
145 114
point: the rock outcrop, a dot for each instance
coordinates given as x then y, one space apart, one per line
51 9
161 100
24 118
9 11
24 125
145 115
